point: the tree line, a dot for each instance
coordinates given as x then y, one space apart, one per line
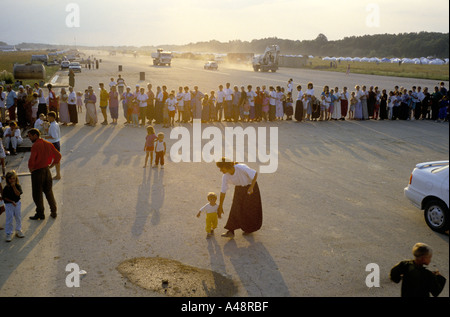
400 45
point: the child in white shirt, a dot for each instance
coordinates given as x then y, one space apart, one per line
211 214
171 103
160 150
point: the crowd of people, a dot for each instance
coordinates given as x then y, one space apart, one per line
275 103
143 106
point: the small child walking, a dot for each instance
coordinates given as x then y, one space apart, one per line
149 145
160 150
11 197
211 214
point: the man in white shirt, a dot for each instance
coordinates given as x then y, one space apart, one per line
112 83
180 103
120 84
42 106
228 105
72 105
251 101
219 103
54 136
290 86
142 98
187 105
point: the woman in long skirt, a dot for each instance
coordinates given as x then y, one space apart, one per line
315 108
299 114
358 106
64 107
114 104
91 112
383 105
363 100
246 209
279 114
206 109
336 114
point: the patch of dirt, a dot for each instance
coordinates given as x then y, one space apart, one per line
175 279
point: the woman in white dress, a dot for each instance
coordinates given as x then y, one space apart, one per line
279 111
365 110
358 106
336 114
63 107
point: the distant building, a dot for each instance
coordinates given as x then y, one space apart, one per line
8 48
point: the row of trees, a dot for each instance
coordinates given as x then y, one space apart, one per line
380 45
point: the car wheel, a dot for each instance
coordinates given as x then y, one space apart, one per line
436 216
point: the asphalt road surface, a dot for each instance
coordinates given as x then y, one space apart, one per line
334 205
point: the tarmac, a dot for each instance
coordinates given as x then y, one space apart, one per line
335 205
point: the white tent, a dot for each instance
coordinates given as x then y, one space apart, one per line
437 61
407 61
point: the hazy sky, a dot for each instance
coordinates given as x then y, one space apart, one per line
158 22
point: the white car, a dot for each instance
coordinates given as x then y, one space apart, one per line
75 66
428 190
65 64
211 65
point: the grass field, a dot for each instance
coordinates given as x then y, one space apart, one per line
436 72
8 59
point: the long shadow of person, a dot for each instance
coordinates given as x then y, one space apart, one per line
157 195
150 199
12 256
257 270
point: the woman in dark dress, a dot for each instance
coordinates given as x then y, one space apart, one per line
246 209
299 115
383 105
371 99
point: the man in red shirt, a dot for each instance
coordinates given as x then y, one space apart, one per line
43 156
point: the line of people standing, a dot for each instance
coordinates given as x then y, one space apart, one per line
274 104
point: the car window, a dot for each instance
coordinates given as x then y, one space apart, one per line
440 169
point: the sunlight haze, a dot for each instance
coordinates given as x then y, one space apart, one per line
152 23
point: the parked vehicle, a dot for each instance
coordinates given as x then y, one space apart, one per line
211 65
75 66
428 189
65 64
39 58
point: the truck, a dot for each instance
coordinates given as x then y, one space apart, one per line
267 61
161 57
